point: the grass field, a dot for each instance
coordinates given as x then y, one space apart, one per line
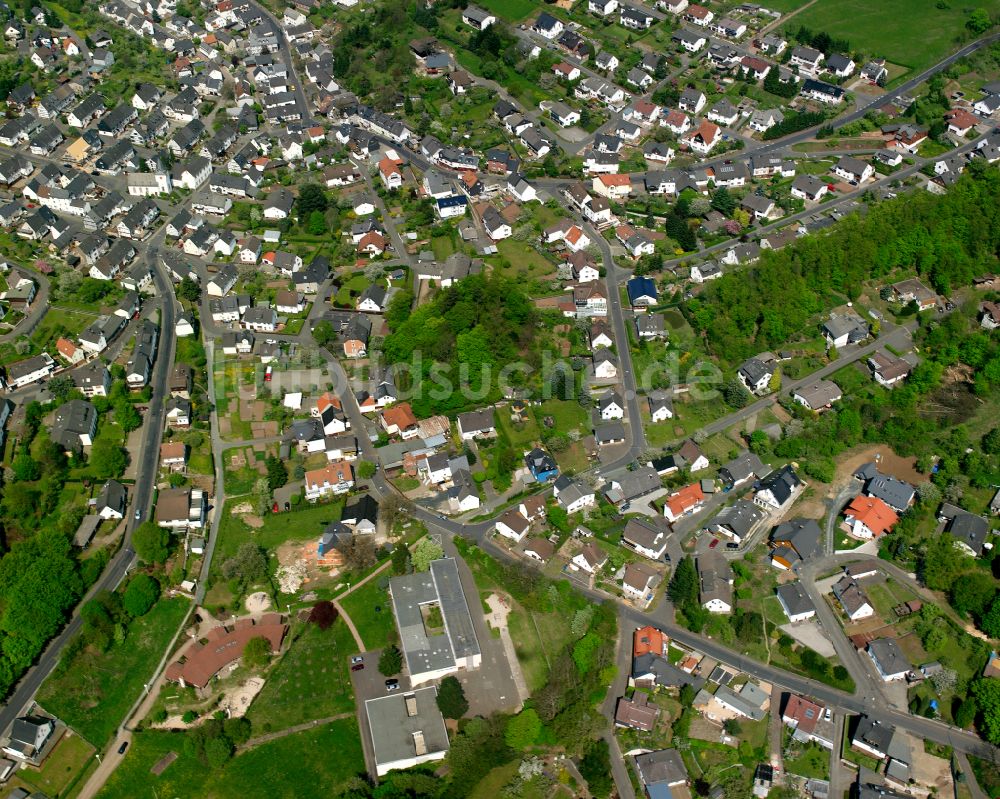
913 33
62 767
813 762
95 690
513 10
377 628
306 765
310 682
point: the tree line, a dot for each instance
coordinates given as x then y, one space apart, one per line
946 239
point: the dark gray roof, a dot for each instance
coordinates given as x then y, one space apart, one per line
803 535
794 597
112 496
740 517
662 766
664 672
971 530
894 493
889 657
781 483
742 467
873 733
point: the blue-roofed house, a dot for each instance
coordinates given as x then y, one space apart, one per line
641 292
448 207
542 466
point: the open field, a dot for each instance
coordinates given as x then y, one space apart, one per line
310 682
513 10
324 760
371 611
93 691
913 33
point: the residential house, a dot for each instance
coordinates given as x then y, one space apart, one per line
889 659
795 602
819 395
795 541
869 517
685 502
661 406
852 599
590 559
334 478
646 536
715 582
573 495
888 369
776 490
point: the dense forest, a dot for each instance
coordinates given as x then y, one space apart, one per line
948 240
467 333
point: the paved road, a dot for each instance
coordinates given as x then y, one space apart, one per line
623 660
286 55
36 312
614 278
970 777
840 778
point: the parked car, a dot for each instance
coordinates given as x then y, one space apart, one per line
357 659
123 747
714 544
358 667
732 545
392 685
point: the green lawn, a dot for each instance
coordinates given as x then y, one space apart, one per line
62 767
371 611
892 29
526 263
315 763
812 762
312 680
519 435
567 414
93 692
511 10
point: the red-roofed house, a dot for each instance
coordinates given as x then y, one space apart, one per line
69 351
334 478
567 71
399 420
869 517
649 639
388 170
704 137
683 502
960 121
614 187
677 122
576 239
372 243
